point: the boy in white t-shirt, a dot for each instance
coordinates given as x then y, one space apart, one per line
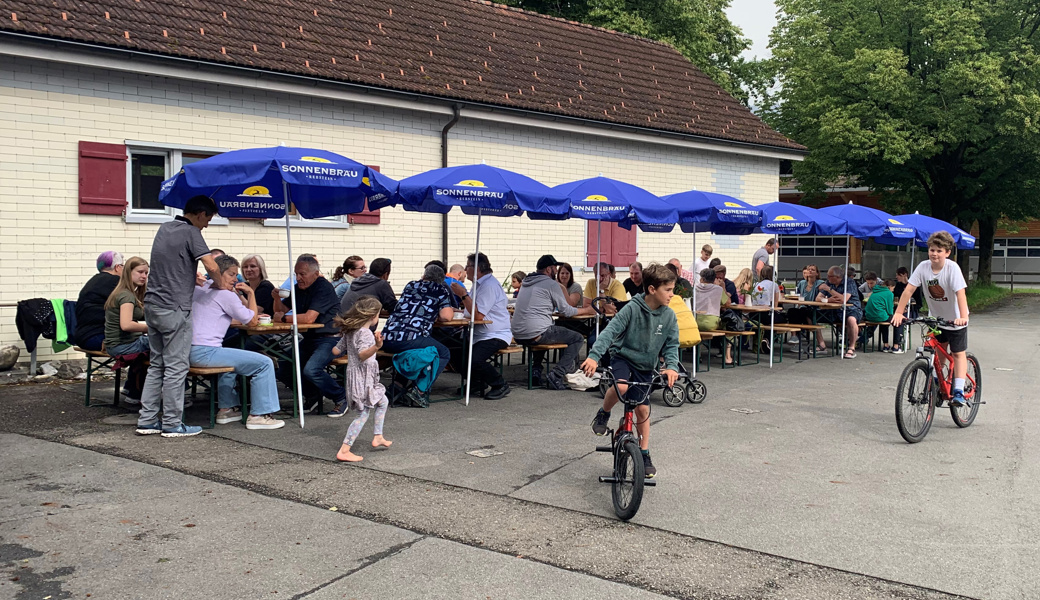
944 285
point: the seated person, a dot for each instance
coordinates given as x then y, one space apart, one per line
353 267
125 330
879 308
540 297
711 299
254 272
744 282
729 286
766 292
808 290
456 274
90 305
683 288
455 300
374 283
488 302
571 289
608 284
410 325
684 273
515 281
834 291
316 302
902 277
634 284
642 334
212 311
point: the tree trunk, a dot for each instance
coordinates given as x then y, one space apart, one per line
984 245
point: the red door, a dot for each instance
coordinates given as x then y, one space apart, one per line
618 246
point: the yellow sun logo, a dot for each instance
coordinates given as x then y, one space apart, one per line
894 222
471 183
256 190
596 198
365 181
732 205
316 159
784 218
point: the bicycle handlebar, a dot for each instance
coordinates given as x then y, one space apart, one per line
602 300
930 321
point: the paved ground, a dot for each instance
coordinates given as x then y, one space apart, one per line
818 476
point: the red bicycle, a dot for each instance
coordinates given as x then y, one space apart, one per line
927 382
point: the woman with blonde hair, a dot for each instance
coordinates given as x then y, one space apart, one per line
744 282
125 329
254 271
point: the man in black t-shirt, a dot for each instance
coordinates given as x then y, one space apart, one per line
634 284
90 306
316 302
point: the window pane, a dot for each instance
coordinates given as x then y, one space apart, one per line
1034 252
806 252
1000 242
147 172
788 251
998 253
1034 242
1016 252
1016 242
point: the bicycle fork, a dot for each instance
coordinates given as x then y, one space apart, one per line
616 442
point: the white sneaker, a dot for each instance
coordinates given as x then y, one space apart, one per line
263 422
228 416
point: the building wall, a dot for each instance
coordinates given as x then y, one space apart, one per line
49 249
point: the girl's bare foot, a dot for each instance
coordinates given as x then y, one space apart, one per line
379 440
345 455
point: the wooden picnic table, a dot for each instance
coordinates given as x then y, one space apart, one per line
281 328
813 303
460 323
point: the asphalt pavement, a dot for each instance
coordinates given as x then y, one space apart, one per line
791 482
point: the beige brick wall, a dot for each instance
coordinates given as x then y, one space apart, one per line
49 249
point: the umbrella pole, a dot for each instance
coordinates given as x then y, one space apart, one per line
772 302
696 275
473 313
292 302
595 267
844 305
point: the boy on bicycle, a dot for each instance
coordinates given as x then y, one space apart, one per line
636 339
944 284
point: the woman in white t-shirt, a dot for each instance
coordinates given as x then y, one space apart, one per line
711 299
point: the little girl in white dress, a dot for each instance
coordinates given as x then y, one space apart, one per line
363 387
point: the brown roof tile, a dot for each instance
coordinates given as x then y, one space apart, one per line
456 49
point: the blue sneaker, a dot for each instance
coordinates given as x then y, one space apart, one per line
958 400
341 409
181 430
149 429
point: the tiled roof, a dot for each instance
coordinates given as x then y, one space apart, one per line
454 49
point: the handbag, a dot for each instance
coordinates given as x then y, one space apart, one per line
730 320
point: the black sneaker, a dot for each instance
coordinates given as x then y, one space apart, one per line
555 382
599 423
496 393
649 470
536 377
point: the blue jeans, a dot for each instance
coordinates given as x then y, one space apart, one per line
136 372
423 342
315 355
135 347
263 391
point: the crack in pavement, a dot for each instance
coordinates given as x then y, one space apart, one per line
366 562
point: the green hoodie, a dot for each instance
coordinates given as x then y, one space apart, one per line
641 336
880 307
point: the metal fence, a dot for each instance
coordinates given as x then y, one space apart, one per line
1013 277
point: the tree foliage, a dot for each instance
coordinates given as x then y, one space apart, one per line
933 104
699 29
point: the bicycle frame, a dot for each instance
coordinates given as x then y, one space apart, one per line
938 351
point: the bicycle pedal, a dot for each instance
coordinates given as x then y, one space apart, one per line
604 448
607 479
650 482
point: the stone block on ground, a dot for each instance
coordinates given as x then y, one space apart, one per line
8 357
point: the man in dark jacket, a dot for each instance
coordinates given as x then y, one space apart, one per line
374 283
90 306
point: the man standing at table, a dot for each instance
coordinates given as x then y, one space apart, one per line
176 251
488 300
540 297
316 302
761 257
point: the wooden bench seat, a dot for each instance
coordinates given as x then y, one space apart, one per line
97 359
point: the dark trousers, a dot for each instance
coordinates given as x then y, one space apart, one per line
557 335
315 355
484 372
93 342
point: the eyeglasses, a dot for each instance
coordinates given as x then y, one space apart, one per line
362 267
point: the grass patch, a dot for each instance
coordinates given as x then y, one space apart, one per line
982 295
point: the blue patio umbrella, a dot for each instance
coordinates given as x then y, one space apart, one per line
604 199
870 223
477 190
925 226
253 183
260 183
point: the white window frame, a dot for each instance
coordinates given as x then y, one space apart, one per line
173 153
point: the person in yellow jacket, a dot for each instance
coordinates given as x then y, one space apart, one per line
608 284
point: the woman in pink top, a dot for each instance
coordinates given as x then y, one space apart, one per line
212 311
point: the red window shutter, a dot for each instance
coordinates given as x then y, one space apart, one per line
102 178
618 246
367 217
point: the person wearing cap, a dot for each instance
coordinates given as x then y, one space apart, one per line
540 297
90 305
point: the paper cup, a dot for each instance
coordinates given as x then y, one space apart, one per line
264 319
282 293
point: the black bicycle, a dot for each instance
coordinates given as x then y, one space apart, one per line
628 479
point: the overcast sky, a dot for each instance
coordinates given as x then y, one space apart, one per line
756 18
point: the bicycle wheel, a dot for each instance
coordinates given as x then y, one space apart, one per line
627 489
696 391
674 396
965 415
914 406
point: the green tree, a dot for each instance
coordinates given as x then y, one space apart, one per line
699 29
933 104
